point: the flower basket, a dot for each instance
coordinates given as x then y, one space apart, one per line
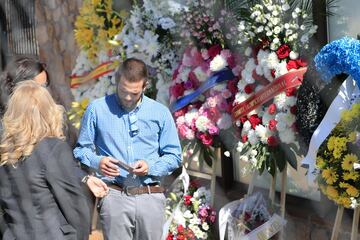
249 218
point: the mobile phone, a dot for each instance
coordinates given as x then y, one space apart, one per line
125 166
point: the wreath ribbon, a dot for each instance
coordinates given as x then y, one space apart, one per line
280 84
99 71
213 80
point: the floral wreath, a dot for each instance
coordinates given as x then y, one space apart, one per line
269 131
204 83
96 25
338 158
93 75
149 35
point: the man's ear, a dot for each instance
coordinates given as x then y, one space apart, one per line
146 85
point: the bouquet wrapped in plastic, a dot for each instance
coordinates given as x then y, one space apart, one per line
249 218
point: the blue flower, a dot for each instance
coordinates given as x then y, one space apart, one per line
339 56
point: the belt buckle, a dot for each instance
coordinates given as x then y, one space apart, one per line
127 188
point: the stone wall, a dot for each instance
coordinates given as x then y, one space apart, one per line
57 48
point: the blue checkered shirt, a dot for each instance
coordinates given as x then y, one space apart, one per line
106 131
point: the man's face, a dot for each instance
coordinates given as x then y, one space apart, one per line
129 93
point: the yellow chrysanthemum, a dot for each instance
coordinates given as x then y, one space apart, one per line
320 163
348 162
96 25
329 175
352 191
352 137
344 185
344 201
331 143
77 111
332 192
352 175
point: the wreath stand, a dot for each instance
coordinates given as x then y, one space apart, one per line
211 176
338 219
272 191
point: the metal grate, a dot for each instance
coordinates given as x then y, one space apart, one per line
20 27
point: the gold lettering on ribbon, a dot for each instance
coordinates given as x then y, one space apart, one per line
282 83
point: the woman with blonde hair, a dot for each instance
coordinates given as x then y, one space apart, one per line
40 190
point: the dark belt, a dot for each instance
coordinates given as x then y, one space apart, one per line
129 190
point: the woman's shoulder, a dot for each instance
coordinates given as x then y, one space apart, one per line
50 144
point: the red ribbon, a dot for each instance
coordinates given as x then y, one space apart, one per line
280 84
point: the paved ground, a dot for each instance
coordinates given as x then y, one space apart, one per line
307 220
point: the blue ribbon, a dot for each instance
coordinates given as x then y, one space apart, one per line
214 79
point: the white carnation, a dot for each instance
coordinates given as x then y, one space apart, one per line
246 127
293 55
280 100
202 123
200 74
272 60
290 101
218 63
252 137
190 115
281 69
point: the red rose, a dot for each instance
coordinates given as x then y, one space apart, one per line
177 90
205 138
290 92
170 236
272 124
195 82
180 112
231 61
214 50
301 62
254 120
180 228
293 110
292 64
244 138
187 199
248 88
243 119
272 141
283 51
272 109
232 86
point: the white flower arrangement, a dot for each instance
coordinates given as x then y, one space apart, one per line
148 35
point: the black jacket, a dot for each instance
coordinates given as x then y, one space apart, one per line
42 196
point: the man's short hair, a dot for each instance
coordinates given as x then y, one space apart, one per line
133 70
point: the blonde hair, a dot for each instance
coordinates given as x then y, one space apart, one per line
31 115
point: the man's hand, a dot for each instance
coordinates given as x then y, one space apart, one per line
141 168
108 168
97 187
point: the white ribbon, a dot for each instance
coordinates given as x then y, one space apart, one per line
184 177
343 100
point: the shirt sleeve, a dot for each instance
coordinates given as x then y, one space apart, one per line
85 149
169 148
